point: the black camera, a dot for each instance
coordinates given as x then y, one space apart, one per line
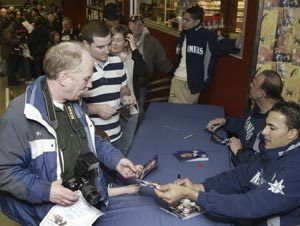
17 51
85 171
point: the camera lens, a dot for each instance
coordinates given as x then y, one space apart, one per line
91 195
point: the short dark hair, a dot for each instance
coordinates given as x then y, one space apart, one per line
50 12
39 21
291 111
94 28
196 12
110 12
272 84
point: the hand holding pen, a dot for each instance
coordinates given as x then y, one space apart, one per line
185 182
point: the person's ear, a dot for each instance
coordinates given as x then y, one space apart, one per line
85 44
63 77
262 93
293 134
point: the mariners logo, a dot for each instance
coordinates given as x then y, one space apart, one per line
276 187
258 178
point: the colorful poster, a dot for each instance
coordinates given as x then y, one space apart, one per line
279 46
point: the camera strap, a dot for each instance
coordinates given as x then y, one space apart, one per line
75 123
76 126
49 105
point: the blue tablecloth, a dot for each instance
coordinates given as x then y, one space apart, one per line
163 132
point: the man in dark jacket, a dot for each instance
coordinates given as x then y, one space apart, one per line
153 54
38 43
196 50
265 91
264 192
52 23
69 32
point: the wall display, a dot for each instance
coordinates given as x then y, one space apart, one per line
219 14
279 46
227 18
95 8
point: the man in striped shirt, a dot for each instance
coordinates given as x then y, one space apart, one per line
109 82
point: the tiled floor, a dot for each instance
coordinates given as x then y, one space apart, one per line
6 93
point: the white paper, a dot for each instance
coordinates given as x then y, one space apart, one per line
80 213
27 25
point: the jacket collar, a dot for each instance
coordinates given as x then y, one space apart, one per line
255 112
35 106
276 153
35 97
184 32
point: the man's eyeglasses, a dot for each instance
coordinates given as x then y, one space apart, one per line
217 138
135 18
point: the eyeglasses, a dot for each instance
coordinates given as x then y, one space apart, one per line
218 139
135 18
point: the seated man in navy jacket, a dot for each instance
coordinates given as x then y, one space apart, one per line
264 192
265 91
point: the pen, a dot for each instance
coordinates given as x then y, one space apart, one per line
170 127
188 136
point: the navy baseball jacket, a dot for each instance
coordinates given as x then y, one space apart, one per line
247 128
200 56
266 191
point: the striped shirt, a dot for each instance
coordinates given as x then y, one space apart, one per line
107 80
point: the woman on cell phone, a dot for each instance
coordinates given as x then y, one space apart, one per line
124 45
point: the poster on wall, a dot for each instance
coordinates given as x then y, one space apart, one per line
279 45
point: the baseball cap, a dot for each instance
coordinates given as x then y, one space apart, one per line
136 17
110 12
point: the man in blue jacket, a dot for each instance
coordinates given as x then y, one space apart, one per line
264 192
265 91
196 51
43 134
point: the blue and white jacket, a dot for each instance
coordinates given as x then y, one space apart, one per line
201 47
29 160
247 128
266 191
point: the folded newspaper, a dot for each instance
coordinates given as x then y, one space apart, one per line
27 26
80 213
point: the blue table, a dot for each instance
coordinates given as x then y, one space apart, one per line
162 132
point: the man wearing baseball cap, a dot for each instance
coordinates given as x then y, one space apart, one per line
153 53
112 15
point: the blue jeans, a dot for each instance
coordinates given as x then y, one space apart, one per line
128 125
142 98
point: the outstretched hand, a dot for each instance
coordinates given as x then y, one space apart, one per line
127 169
172 193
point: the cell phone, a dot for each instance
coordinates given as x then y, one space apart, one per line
121 106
